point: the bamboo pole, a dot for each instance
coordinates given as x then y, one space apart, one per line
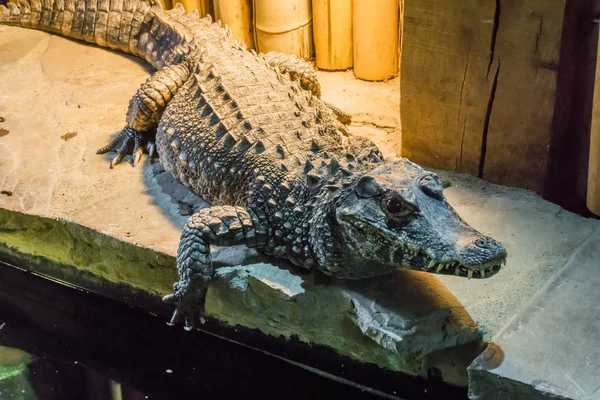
332 28
166 4
284 26
593 184
375 38
237 15
189 5
204 7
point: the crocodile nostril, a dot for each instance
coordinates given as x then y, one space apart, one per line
486 242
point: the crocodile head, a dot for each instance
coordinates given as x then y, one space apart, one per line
397 216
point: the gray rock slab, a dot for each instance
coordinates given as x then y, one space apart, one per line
551 348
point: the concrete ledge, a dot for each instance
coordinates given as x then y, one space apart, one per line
550 349
69 217
399 322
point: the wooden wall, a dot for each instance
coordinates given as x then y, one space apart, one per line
569 146
593 182
478 85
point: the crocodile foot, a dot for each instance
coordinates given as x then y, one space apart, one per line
122 143
189 298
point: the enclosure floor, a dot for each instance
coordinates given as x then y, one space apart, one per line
62 100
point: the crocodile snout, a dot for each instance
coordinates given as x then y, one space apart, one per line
482 253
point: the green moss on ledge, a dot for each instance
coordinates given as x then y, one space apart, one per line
69 244
399 322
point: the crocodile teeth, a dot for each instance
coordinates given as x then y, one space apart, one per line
431 264
439 268
482 272
470 273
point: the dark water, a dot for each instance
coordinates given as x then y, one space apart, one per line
41 373
60 342
25 377
61 369
78 345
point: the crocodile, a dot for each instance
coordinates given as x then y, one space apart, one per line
249 133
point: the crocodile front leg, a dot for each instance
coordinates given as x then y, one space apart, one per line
145 110
219 225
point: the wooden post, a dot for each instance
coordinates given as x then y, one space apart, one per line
332 27
569 150
593 185
375 39
479 85
400 40
237 15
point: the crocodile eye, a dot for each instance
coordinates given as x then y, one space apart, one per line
395 205
399 205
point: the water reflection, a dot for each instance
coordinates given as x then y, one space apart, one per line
87 347
14 383
26 377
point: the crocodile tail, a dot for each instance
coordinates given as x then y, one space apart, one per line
109 23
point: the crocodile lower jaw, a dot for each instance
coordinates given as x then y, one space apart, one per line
452 267
481 271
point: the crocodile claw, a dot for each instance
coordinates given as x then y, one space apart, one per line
189 298
151 147
121 144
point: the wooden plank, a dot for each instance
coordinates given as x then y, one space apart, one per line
569 146
593 188
527 53
445 49
478 86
